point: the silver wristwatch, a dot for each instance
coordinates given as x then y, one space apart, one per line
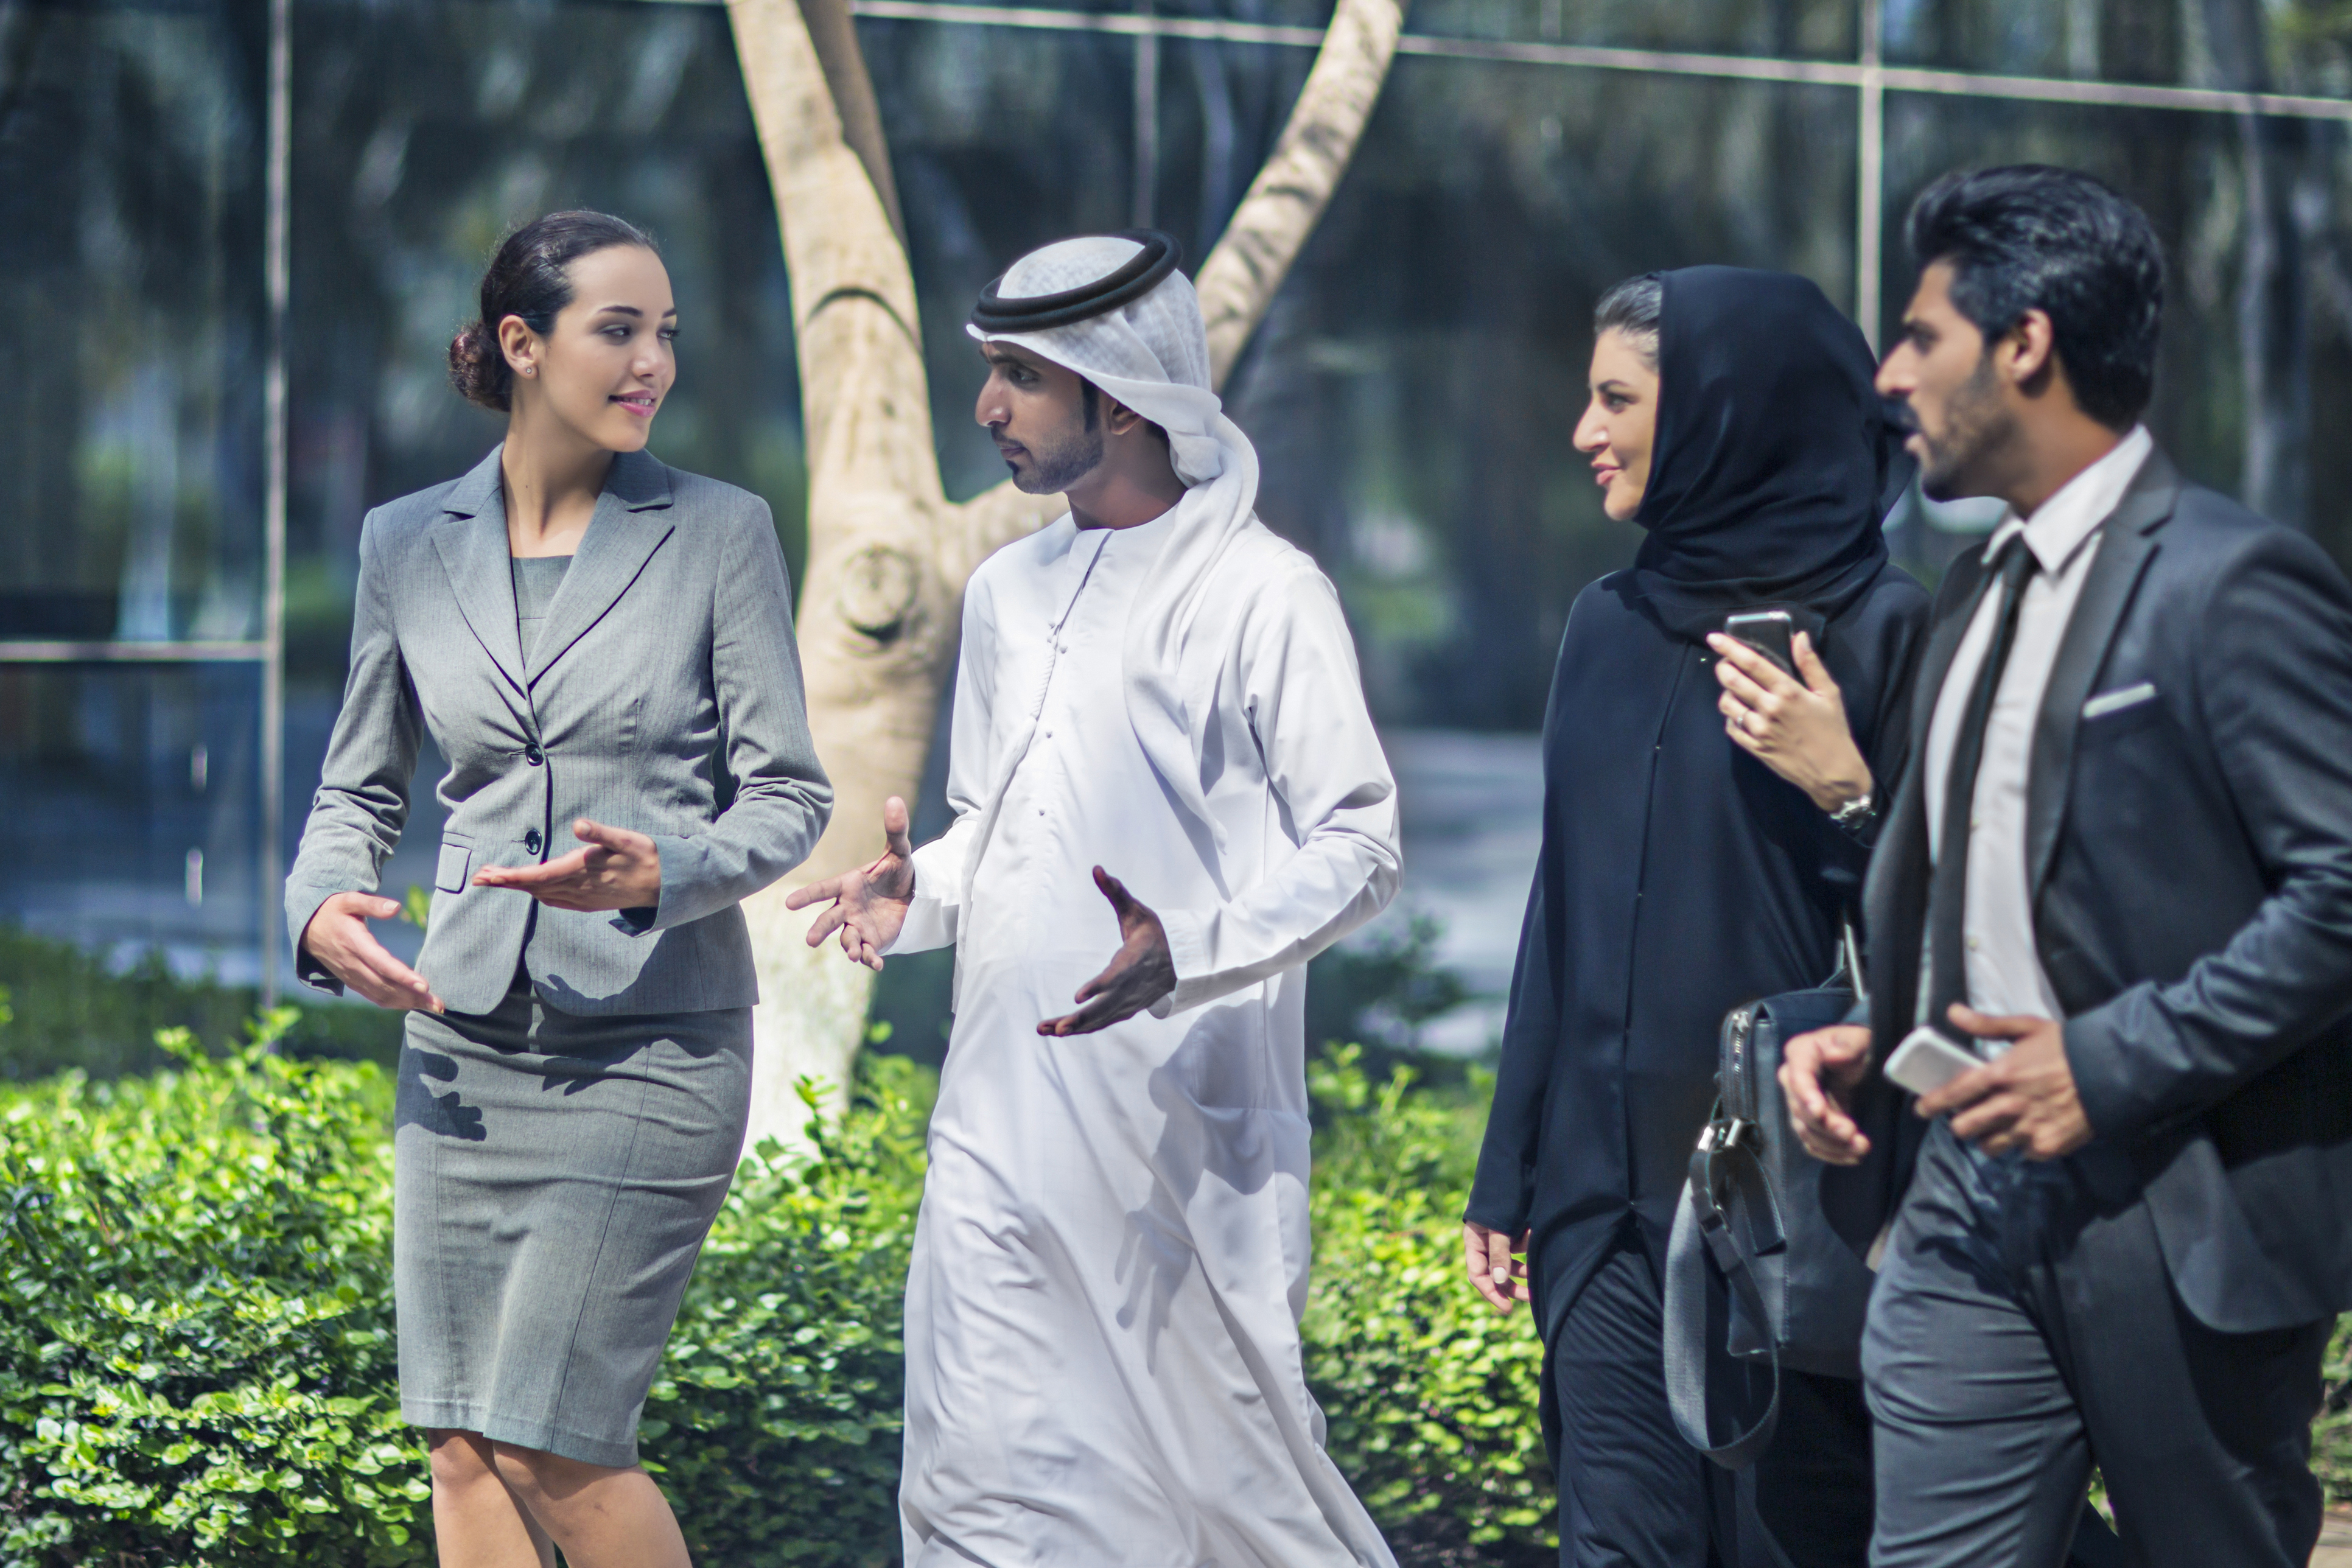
1855 812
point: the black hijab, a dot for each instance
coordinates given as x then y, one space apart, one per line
1771 458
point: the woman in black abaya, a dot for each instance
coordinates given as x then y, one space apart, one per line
1697 855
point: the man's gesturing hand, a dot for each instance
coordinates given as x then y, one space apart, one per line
2022 1100
869 904
1140 973
1819 1073
1497 1275
616 869
337 937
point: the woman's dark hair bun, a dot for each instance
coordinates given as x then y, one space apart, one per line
477 369
530 278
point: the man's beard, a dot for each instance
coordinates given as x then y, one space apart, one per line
1054 468
1975 425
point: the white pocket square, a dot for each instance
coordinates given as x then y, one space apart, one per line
2116 701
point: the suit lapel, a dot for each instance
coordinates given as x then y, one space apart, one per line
2126 543
1894 898
1963 589
628 527
472 539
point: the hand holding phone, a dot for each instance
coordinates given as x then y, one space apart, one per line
1769 633
1926 1060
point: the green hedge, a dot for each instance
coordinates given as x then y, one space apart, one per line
196 1341
196 1364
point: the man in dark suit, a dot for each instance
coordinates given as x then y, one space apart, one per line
2120 869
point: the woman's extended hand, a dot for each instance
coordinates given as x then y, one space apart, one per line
869 904
337 937
617 869
1799 731
1494 1272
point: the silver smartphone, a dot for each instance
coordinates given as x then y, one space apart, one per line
1926 1060
1768 632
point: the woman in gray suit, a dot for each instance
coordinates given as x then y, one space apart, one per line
598 642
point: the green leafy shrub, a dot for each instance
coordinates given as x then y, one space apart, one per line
2331 1434
774 1421
196 1360
197 1367
1429 1392
196 1363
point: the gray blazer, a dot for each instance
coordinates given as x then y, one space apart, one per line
664 695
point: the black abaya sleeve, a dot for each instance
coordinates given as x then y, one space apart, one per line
1500 1196
1902 639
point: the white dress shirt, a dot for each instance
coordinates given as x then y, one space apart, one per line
2004 967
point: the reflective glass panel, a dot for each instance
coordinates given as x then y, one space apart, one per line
2248 45
1001 140
130 236
1415 388
1788 29
133 808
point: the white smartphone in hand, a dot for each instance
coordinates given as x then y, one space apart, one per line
1926 1060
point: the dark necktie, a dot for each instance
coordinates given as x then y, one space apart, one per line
1947 897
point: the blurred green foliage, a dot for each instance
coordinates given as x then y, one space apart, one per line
73 1010
1377 991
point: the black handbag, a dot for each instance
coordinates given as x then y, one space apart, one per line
1791 1292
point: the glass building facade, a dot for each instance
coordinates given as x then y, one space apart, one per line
238 234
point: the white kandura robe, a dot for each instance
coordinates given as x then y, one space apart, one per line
1102 1313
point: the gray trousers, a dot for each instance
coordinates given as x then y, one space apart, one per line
2022 1329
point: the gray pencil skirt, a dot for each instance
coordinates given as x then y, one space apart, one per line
554 1177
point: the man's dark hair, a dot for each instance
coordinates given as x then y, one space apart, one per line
2032 237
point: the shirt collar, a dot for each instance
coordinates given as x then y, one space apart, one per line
2062 525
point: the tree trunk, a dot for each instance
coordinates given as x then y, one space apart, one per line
888 554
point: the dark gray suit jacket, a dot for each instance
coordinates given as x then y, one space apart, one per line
664 695
2189 838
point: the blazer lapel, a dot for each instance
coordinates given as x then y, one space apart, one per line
2126 543
1895 888
1964 588
472 540
627 529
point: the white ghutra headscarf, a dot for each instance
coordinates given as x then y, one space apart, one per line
1151 354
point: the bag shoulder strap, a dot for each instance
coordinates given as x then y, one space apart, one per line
1702 1228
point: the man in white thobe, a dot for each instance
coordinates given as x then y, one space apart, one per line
1103 1358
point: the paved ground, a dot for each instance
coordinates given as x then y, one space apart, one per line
2335 1543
